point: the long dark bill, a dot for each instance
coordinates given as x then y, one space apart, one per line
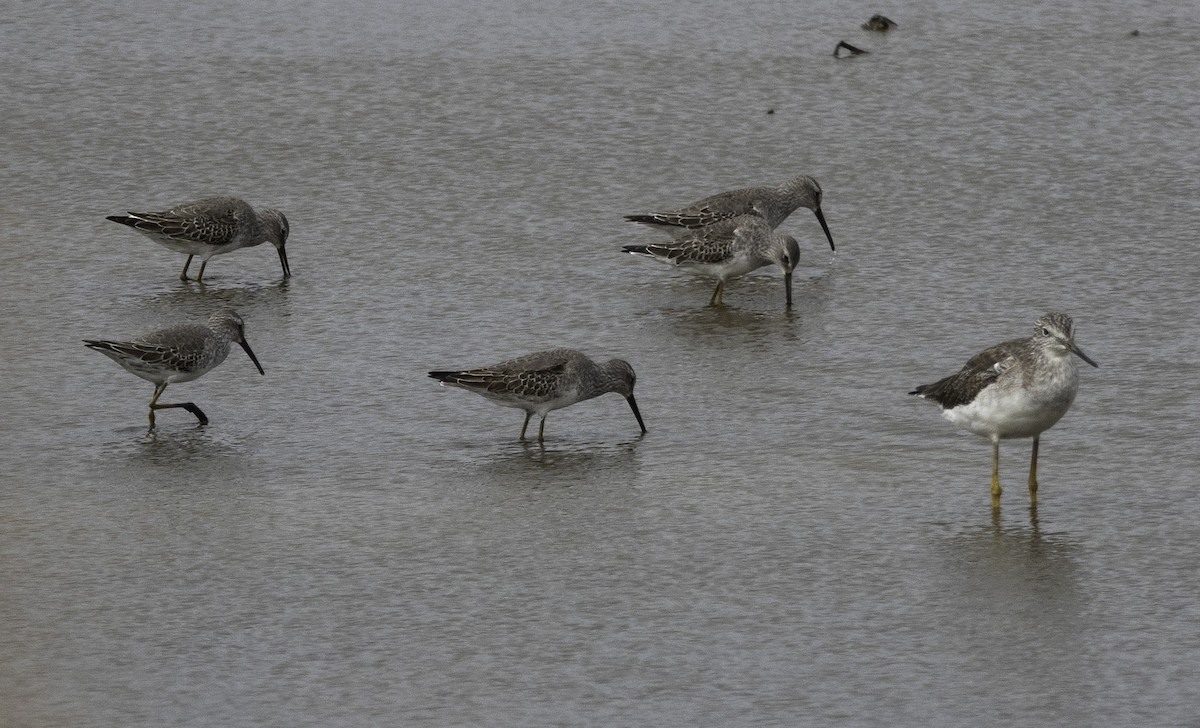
633 406
287 270
821 219
787 286
1083 356
252 357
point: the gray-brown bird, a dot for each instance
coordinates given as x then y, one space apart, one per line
545 381
1019 388
178 354
211 226
773 204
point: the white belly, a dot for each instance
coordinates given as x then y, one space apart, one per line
1015 411
195 247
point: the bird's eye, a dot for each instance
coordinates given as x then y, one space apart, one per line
1045 331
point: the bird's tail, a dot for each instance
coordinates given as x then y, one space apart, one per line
644 219
123 219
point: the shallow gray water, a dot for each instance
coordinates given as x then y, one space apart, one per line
794 542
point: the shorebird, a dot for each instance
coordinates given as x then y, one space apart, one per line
211 226
773 204
546 380
1019 388
728 249
178 354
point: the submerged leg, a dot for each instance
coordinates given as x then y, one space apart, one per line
542 430
183 275
1033 472
718 295
189 406
200 275
996 472
523 426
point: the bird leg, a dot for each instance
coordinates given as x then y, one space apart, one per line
525 425
189 406
1033 472
158 388
200 275
542 430
718 295
183 275
996 472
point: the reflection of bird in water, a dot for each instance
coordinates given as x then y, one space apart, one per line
1019 388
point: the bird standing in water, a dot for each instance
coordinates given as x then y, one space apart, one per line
728 249
178 354
773 204
1019 388
545 381
211 226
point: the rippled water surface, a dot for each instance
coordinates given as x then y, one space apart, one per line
794 542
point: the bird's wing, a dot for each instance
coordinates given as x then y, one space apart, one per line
204 221
528 383
980 372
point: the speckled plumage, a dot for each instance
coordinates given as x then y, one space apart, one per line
178 354
211 226
544 381
728 249
773 204
1018 388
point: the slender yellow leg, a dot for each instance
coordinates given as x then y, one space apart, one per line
523 426
718 297
183 275
158 390
1033 472
542 430
996 472
200 275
